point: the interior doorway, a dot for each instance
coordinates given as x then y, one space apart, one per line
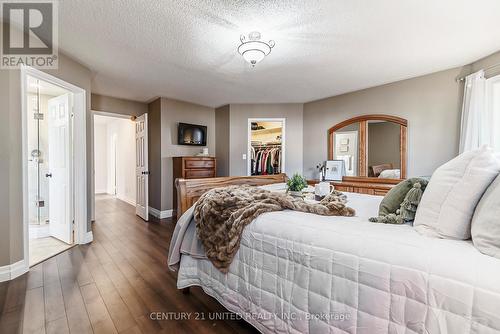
266 146
114 157
53 117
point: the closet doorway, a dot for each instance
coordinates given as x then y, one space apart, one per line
266 146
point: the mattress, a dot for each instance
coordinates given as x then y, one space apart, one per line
302 273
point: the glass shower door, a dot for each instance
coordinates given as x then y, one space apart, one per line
38 184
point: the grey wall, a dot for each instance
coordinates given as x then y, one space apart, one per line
238 128
383 144
11 213
431 104
118 106
154 153
172 113
222 122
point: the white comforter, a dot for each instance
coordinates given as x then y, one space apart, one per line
302 273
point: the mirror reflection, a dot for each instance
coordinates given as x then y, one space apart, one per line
383 150
346 148
370 148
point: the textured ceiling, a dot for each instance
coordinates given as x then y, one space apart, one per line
141 49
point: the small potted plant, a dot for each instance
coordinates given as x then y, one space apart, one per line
296 184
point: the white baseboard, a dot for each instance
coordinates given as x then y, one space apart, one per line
126 200
100 191
160 214
87 238
11 271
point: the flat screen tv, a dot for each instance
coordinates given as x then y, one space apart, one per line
191 134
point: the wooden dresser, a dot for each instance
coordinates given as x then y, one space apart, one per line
191 168
363 185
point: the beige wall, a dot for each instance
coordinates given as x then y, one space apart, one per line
118 106
484 63
238 129
430 103
222 122
11 226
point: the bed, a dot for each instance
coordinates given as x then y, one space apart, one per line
302 273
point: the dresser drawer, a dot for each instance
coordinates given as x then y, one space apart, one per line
193 164
380 192
362 190
199 173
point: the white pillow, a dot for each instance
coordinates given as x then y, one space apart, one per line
485 227
390 174
453 192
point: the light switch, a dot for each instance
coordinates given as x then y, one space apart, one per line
244 156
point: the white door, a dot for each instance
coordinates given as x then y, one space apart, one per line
60 169
141 166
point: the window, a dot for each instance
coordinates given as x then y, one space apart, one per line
493 105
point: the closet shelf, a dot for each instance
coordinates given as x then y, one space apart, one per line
267 145
266 131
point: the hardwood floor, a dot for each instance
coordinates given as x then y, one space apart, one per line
112 285
43 248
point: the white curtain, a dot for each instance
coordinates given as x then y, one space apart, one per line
476 119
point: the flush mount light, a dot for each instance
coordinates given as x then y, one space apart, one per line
253 49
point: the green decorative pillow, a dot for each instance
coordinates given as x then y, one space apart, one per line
391 204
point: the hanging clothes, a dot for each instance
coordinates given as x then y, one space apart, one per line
266 160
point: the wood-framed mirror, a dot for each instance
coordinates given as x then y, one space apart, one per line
372 146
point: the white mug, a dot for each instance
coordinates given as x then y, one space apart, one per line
322 189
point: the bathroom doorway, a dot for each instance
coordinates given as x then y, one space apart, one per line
54 168
49 136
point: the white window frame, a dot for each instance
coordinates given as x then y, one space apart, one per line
495 115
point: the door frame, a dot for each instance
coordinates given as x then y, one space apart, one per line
92 159
78 149
249 141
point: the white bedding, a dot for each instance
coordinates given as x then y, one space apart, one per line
302 273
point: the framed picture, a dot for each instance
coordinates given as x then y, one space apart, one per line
335 170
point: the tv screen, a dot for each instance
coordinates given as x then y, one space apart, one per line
191 134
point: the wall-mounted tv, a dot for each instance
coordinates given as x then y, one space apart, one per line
191 134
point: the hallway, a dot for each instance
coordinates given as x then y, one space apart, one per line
109 286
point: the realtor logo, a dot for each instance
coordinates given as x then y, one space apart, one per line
29 34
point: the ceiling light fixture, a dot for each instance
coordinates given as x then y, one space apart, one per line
253 49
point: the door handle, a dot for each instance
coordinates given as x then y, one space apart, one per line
145 173
48 175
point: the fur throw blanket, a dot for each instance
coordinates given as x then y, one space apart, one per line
221 215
